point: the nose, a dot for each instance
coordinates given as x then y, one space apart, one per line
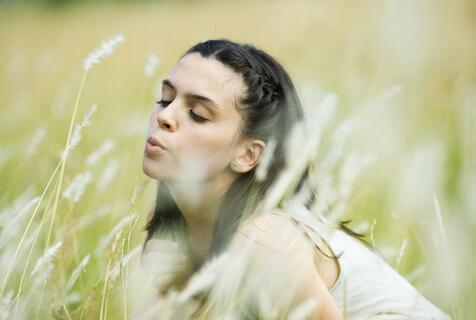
166 119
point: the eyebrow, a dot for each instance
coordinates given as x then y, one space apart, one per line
208 101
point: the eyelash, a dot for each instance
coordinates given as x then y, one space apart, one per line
195 117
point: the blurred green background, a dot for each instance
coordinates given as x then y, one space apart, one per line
411 63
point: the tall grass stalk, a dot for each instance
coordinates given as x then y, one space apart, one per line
64 158
30 253
17 250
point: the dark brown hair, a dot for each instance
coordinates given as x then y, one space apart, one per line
269 109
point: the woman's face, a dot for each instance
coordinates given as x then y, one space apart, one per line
197 121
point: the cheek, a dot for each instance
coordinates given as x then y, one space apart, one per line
207 151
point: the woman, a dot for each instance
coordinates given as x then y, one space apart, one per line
222 105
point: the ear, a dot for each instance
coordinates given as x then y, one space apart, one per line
249 154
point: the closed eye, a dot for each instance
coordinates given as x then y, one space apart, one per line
195 117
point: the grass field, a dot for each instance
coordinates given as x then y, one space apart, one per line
404 70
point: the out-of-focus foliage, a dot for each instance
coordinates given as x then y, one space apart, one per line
405 69
53 4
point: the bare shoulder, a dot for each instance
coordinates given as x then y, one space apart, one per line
274 234
278 245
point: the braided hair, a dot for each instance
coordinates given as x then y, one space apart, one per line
269 109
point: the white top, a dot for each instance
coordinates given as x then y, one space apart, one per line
367 287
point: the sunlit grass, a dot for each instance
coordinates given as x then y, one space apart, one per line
399 78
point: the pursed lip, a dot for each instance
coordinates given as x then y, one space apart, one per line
155 142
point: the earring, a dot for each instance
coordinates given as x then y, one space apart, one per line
234 164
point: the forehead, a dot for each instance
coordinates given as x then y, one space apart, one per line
207 77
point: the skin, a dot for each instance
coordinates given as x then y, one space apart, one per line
279 246
196 163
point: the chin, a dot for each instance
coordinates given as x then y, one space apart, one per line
153 170
150 169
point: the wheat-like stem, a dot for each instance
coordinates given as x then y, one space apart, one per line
128 241
58 191
104 291
66 312
20 287
12 262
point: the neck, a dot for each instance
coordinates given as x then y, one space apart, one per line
199 203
